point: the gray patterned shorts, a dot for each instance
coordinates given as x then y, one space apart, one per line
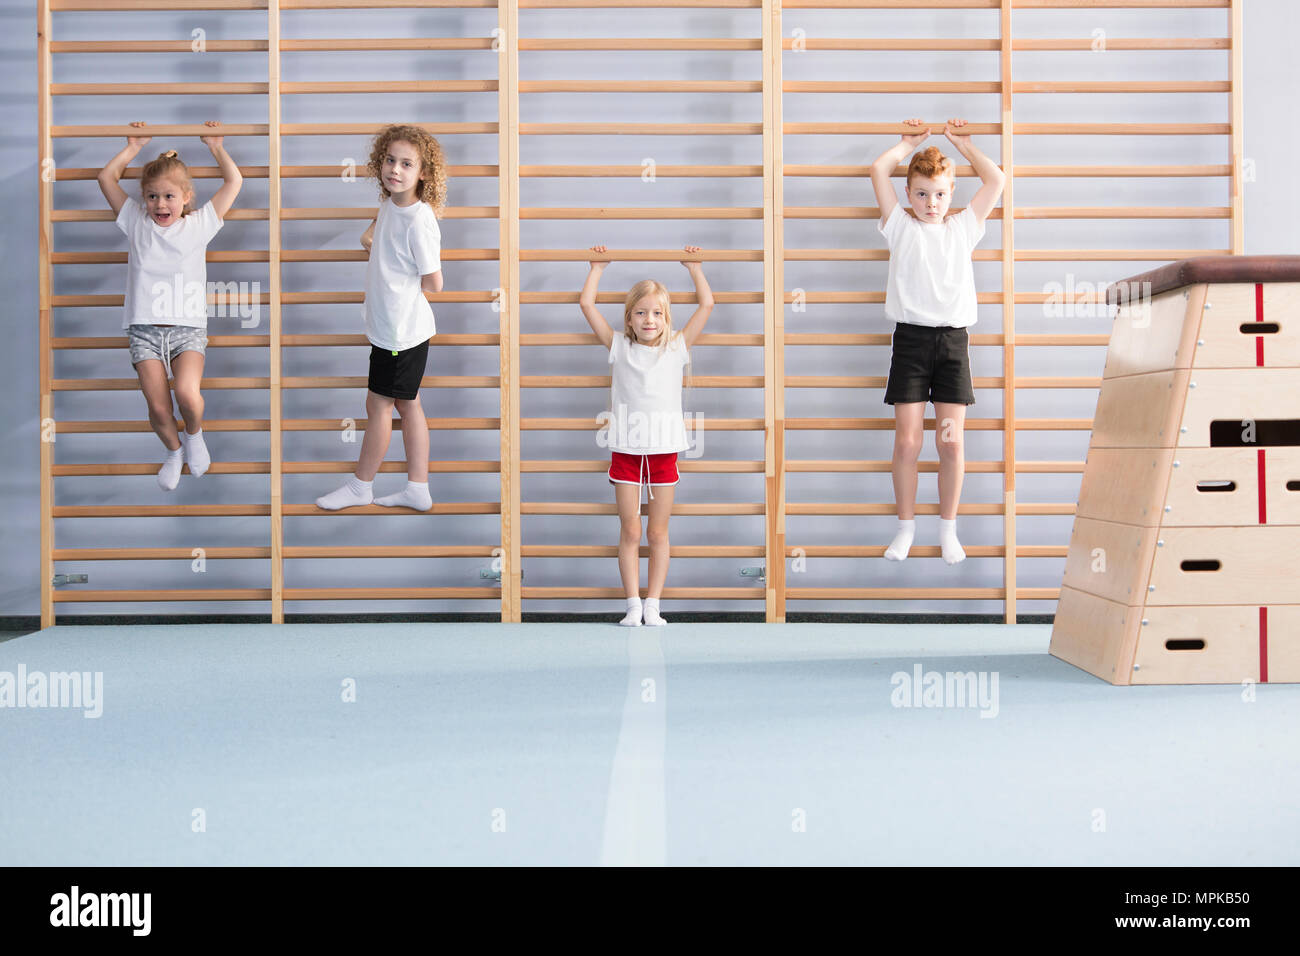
164 342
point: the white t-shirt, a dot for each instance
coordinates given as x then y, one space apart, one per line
931 280
407 244
166 266
645 416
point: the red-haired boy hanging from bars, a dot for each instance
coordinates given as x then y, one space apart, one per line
931 296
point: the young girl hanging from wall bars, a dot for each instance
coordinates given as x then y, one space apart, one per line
166 307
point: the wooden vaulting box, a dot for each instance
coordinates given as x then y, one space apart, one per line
1182 566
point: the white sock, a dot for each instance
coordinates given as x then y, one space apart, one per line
169 475
414 495
652 613
196 452
354 492
633 616
902 543
948 543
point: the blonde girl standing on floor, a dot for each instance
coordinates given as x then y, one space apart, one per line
646 429
166 307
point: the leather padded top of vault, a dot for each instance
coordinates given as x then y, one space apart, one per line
1202 269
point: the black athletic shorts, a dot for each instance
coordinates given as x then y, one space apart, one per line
397 374
929 365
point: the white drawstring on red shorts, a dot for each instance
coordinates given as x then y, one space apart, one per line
645 463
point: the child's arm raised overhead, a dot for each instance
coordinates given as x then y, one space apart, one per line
990 175
587 300
703 296
883 168
111 173
225 196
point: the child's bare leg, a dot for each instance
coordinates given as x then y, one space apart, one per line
158 397
379 433
909 423
415 439
187 376
357 490
949 439
628 498
656 533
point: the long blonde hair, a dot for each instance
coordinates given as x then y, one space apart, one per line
638 292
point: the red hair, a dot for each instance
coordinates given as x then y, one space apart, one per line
931 163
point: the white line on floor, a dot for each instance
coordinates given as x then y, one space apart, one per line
635 821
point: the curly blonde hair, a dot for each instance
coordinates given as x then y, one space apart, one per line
168 165
931 163
432 187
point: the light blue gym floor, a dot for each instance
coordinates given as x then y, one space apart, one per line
584 744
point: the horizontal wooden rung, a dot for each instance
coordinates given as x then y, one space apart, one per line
156 46
151 468
878 551
831 466
439 508
669 593
133 384
165 129
665 171
640 43
370 129
393 551
590 424
602 508
640 129
611 551
295 44
159 511
392 594
655 212
391 86
195 594
862 86
846 508
889 43
1121 43
156 554
1123 86
640 86
453 467
895 594
155 89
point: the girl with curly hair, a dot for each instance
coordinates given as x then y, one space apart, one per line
405 248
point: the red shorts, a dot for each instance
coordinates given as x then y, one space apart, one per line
643 469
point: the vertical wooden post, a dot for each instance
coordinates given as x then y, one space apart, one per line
508 302
773 314
273 276
1236 40
1008 328
45 191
